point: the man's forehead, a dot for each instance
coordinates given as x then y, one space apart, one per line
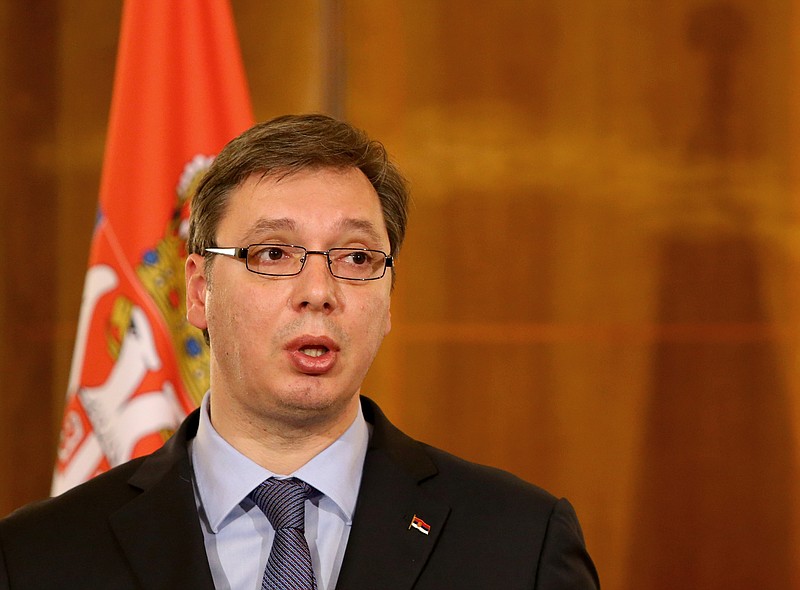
347 224
274 179
256 223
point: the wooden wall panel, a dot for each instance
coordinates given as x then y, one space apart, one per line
593 293
28 225
283 47
599 286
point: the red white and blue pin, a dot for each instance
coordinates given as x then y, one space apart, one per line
420 525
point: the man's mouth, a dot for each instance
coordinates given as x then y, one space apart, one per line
314 351
313 355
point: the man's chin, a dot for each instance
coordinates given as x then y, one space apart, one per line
309 408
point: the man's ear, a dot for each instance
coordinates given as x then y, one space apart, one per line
196 284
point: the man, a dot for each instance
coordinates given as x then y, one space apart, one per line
286 476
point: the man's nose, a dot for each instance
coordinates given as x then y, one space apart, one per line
316 288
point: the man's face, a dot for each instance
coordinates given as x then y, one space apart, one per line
292 350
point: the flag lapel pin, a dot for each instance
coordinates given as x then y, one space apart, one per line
420 525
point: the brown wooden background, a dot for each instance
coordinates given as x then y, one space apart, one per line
600 286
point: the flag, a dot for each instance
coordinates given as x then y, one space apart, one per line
420 525
138 367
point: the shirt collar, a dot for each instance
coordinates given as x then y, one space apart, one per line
224 476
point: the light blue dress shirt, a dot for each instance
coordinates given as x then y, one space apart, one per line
237 534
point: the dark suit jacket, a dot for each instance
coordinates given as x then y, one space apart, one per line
137 527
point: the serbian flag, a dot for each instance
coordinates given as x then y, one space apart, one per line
420 525
138 367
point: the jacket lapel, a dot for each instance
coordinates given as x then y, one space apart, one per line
159 531
384 549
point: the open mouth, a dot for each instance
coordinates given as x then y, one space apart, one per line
314 351
313 355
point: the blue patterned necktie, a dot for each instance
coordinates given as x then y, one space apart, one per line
289 564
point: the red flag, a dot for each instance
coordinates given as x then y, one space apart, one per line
138 367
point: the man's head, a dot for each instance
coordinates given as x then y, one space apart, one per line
293 349
286 145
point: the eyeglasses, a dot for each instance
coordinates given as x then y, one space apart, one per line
284 260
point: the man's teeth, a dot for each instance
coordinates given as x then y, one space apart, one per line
313 351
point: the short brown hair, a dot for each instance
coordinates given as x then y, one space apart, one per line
286 145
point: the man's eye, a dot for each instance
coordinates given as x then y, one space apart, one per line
268 254
358 257
273 253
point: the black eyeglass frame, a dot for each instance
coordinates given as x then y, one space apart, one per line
241 254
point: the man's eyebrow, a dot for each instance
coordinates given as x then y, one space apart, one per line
360 225
265 226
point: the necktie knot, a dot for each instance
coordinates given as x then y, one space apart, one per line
283 501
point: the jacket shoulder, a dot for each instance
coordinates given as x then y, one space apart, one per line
483 481
103 494
99 495
73 540
496 530
441 471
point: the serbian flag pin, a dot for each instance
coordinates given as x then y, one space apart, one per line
420 525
